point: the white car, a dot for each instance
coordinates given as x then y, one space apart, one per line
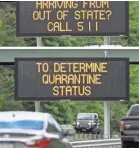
31 130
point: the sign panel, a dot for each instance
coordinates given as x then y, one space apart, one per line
76 18
51 79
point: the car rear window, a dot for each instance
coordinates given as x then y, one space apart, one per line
22 124
134 111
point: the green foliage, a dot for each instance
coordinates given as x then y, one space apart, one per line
118 110
134 24
8 27
65 112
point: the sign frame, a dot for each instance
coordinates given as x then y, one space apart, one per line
45 99
19 34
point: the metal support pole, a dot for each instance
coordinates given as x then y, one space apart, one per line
107 40
39 41
106 120
106 103
38 103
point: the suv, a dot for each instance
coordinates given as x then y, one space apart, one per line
87 122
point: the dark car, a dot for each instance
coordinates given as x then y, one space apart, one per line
129 128
31 130
87 122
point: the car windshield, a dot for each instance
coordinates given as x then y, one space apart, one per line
85 117
22 124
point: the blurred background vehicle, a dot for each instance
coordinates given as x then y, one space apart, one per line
31 129
88 123
129 128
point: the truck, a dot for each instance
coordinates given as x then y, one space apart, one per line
129 128
87 123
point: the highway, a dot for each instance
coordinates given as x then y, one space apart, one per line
89 141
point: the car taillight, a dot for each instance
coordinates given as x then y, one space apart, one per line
122 126
41 143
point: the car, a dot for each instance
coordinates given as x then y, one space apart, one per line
129 128
87 122
22 129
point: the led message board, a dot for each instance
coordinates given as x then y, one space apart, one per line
51 79
76 18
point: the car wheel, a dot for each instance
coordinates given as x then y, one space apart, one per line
126 145
94 130
77 131
98 132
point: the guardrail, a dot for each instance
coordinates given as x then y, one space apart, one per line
107 143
